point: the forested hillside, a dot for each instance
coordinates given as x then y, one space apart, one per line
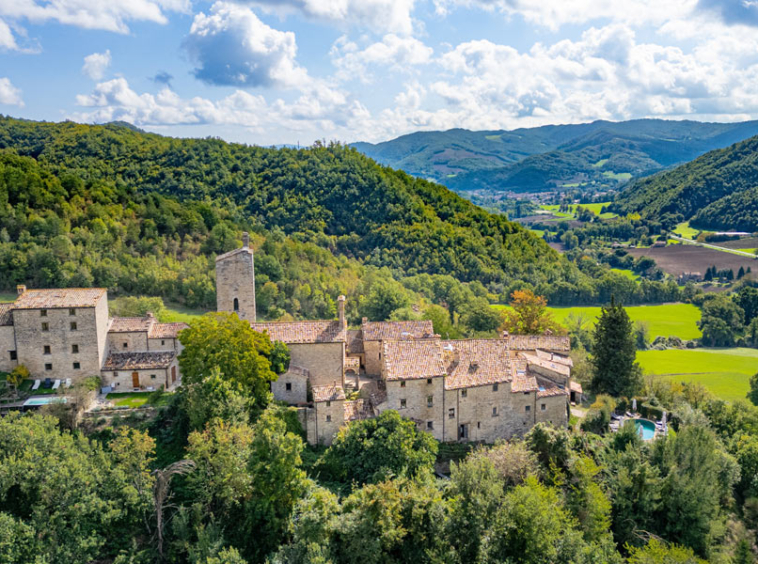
144 214
716 191
600 154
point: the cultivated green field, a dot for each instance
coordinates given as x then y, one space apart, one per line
6 297
595 208
684 230
663 320
725 372
628 273
176 313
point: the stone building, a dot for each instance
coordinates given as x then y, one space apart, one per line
465 390
67 333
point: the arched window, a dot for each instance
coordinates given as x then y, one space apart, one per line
236 304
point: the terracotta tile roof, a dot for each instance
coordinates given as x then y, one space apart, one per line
555 357
548 388
558 368
409 360
166 330
327 393
138 361
358 409
476 362
303 331
534 342
130 324
575 386
396 330
6 317
523 381
354 341
59 298
241 250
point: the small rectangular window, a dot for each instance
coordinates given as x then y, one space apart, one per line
494 412
402 403
328 404
428 380
73 325
48 366
72 311
402 384
75 349
288 386
163 342
526 393
451 413
494 387
430 424
14 355
543 407
126 345
478 424
46 349
429 401
43 313
45 327
77 366
152 376
527 408
328 418
464 393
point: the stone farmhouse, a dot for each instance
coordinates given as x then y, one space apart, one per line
463 390
67 333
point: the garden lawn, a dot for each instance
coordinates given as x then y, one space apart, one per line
725 372
26 386
7 297
176 313
134 399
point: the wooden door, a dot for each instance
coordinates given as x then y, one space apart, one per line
135 379
173 374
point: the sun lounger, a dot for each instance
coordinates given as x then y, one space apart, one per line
56 384
68 382
36 384
150 388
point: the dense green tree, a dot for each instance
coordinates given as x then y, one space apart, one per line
374 449
721 322
752 395
615 371
384 297
656 552
214 397
529 315
246 358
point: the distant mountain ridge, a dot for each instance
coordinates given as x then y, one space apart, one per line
601 154
717 191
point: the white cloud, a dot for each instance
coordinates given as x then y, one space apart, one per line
382 15
7 41
9 94
232 46
96 64
399 53
109 15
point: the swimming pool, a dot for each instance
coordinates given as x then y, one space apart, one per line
645 428
31 402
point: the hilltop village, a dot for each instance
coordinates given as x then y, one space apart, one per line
457 390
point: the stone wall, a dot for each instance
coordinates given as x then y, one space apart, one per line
235 279
416 394
553 409
135 341
89 338
297 381
324 361
163 345
372 357
121 380
488 414
7 345
329 417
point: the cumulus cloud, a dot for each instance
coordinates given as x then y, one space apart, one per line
744 12
383 15
9 94
7 41
96 64
399 53
232 46
110 15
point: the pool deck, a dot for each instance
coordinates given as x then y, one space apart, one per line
618 420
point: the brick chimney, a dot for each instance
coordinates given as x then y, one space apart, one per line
20 289
245 240
341 311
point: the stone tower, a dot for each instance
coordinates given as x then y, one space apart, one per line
235 281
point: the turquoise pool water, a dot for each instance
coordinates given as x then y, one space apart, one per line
43 401
645 428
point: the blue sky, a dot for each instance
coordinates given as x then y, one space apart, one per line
289 71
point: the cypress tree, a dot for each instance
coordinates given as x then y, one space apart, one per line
741 272
615 371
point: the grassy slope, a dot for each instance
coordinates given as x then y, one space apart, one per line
725 372
664 320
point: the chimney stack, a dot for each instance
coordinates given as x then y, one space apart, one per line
341 311
20 289
245 240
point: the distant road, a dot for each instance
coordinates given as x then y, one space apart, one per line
715 247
